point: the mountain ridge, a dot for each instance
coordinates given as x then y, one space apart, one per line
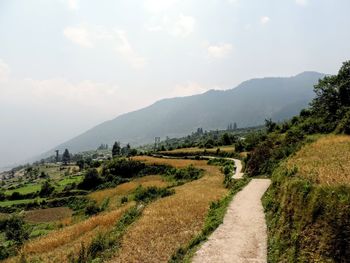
248 104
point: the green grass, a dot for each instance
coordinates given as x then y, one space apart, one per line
306 222
16 202
67 181
29 188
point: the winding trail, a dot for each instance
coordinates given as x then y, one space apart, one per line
243 235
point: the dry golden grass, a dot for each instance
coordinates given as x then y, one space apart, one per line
127 188
48 214
57 245
326 161
195 150
178 163
170 222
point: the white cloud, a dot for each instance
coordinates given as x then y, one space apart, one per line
125 49
4 71
219 51
188 89
73 4
301 2
184 26
79 35
159 6
90 37
264 20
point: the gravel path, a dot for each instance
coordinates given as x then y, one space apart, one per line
238 173
242 237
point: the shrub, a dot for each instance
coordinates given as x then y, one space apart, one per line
91 180
122 167
16 230
150 193
187 174
124 199
344 124
46 189
92 209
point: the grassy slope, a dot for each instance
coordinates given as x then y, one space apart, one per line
172 222
308 205
57 245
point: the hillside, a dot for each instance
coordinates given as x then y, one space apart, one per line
248 104
308 210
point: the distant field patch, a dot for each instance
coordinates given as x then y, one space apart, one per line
47 215
29 188
326 161
17 202
197 150
178 163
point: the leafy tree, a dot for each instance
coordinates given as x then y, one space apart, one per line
2 196
226 139
66 157
270 125
91 180
116 149
15 230
46 189
333 95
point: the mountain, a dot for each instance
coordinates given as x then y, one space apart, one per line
248 104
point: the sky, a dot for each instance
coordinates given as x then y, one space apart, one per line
67 65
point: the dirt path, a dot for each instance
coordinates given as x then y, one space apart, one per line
238 172
242 237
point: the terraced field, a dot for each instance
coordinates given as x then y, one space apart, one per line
325 161
171 222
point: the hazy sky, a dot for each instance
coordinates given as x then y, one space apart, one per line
66 65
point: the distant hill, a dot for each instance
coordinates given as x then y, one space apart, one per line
248 104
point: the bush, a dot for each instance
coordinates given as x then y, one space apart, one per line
124 168
187 174
150 193
16 230
46 189
91 180
344 124
124 199
92 209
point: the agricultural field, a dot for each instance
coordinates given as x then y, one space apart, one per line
200 151
59 234
178 218
115 194
325 161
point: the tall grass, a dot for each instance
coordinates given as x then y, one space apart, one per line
326 161
55 246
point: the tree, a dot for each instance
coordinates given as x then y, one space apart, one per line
91 180
333 95
15 230
225 139
66 157
46 189
270 125
116 149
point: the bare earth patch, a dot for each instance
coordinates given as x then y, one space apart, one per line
47 215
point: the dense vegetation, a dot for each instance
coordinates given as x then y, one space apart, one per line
308 219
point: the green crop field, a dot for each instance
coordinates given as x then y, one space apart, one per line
30 188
